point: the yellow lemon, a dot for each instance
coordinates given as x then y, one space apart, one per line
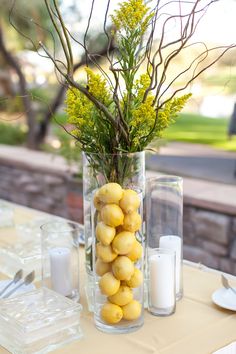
102 267
122 268
130 201
136 251
111 313
123 242
136 279
108 284
110 193
132 222
112 215
105 253
132 310
123 296
105 233
97 202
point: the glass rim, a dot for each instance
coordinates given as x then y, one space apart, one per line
165 179
76 226
120 153
162 250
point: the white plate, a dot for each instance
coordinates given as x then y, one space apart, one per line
225 298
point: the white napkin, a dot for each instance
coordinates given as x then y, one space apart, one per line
229 349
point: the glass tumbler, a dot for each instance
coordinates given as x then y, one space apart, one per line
165 220
60 257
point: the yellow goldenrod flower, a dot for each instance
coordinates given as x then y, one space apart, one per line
132 14
141 85
98 86
78 107
145 119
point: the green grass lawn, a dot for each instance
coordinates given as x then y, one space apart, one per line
197 129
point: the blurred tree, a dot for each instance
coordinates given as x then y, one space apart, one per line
10 42
24 31
11 61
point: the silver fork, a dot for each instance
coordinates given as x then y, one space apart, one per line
17 277
28 280
226 284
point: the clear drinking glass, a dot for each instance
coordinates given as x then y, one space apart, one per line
60 257
161 281
165 220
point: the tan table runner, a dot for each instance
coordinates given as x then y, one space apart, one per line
197 327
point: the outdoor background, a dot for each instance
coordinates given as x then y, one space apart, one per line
40 166
23 71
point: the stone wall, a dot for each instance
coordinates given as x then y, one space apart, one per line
54 192
210 238
209 229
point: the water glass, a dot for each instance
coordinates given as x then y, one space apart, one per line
60 257
165 220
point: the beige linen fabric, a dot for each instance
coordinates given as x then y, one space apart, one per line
197 327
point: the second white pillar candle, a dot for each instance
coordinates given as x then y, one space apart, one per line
174 243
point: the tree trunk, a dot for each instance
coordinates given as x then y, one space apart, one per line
30 114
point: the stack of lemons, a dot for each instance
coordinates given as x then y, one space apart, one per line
117 251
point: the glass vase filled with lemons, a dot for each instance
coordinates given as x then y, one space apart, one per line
118 249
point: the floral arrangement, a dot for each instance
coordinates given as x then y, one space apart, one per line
127 118
128 106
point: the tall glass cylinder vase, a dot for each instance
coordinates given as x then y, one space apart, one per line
114 188
165 220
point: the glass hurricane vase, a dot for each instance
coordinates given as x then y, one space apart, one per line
114 189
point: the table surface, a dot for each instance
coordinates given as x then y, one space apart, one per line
197 327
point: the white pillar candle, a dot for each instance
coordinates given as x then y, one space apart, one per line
60 263
162 278
174 243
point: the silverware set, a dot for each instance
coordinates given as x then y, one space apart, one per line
18 281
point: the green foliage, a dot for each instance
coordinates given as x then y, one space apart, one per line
42 95
11 134
11 104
